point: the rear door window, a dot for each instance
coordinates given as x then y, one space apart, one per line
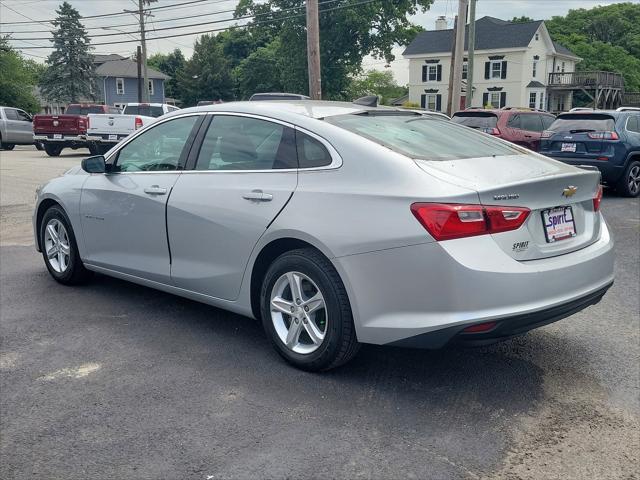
583 122
547 121
476 119
530 122
11 114
311 153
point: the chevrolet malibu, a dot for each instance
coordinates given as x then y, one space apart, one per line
335 224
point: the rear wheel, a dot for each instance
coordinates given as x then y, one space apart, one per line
629 184
94 149
59 248
39 146
7 146
53 150
306 313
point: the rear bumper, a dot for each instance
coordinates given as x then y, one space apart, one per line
611 172
65 138
405 295
104 139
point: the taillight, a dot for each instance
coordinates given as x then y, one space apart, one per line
88 122
448 221
603 135
547 134
138 123
491 131
597 200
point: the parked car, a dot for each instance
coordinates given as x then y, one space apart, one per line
277 96
521 126
105 130
606 139
15 128
68 130
335 224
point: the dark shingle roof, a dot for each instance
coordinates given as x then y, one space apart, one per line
491 33
561 49
126 68
101 58
535 84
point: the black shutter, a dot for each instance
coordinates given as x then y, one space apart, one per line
439 73
487 70
485 99
504 70
423 101
503 99
424 72
439 102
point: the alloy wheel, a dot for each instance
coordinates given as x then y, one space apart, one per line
298 312
57 246
634 179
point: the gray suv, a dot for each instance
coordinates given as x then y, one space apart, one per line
15 128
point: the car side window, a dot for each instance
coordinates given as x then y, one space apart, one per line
633 124
11 113
157 149
245 143
311 153
514 121
531 123
547 120
24 116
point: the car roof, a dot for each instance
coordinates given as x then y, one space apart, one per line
613 113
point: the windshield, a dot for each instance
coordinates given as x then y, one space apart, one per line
144 110
476 120
583 123
84 109
425 138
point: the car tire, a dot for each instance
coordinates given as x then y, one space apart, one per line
7 146
94 149
53 150
329 319
39 146
60 250
629 184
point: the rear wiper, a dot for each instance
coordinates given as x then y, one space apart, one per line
582 130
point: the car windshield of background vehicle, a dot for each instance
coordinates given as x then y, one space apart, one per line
585 122
479 120
84 110
423 137
144 110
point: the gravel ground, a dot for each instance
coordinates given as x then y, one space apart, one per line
113 380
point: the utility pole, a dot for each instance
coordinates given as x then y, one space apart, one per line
143 40
313 50
472 46
139 62
453 60
459 54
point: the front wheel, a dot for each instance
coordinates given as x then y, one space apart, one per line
629 184
59 248
7 146
306 312
53 150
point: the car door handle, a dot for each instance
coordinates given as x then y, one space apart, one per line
155 190
257 196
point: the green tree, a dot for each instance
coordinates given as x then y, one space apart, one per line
206 75
70 76
171 64
259 72
379 83
349 30
17 79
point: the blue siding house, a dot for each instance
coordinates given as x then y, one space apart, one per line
118 81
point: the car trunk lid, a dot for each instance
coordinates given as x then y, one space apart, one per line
555 193
63 124
571 135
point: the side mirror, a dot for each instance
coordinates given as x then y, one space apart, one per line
95 164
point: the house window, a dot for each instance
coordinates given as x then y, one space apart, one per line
537 36
150 87
534 72
494 98
562 67
542 105
496 69
120 86
465 70
430 101
533 97
430 73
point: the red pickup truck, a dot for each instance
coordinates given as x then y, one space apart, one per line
56 132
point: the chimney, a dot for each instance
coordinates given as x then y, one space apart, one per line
441 23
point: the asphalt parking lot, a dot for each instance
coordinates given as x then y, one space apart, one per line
117 381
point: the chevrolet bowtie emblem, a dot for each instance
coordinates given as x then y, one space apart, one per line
570 191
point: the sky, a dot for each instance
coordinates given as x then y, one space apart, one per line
164 22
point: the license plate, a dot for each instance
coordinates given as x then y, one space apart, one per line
57 136
113 137
568 147
558 224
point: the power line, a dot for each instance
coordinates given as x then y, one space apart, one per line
113 14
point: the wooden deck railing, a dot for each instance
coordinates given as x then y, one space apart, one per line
586 79
631 99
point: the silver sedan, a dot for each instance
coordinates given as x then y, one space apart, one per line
335 225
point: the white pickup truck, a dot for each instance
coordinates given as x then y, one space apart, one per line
105 130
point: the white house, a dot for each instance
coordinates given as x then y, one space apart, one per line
512 63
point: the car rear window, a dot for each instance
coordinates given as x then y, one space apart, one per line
423 137
144 110
84 110
475 119
583 122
